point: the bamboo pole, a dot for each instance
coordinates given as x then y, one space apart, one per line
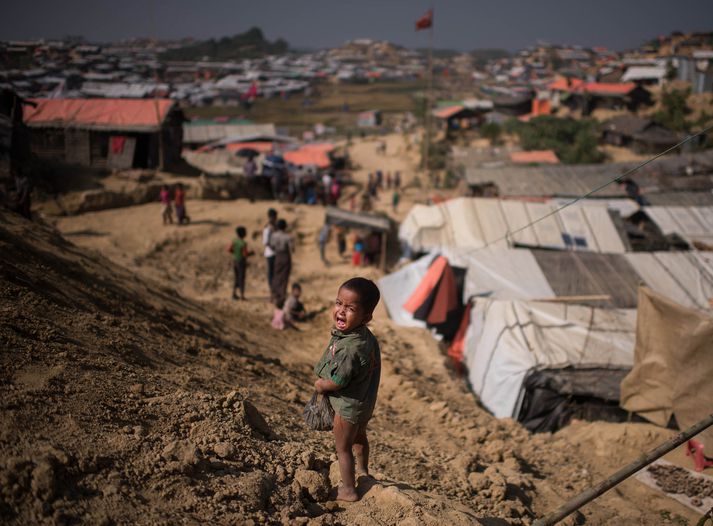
566 299
429 94
624 473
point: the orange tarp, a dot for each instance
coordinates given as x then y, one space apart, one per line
446 298
428 283
448 112
101 113
259 146
535 156
316 154
439 277
457 347
576 85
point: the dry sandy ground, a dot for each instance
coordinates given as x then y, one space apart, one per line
135 391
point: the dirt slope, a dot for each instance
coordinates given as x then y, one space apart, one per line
133 391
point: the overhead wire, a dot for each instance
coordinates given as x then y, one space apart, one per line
509 234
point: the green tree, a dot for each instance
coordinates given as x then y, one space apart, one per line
491 131
674 109
574 141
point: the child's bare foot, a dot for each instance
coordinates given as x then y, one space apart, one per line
347 495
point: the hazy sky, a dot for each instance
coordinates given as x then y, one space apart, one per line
459 24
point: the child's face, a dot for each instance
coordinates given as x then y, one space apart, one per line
296 293
348 313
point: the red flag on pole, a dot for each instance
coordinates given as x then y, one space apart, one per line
425 21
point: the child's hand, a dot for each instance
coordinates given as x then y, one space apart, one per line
318 386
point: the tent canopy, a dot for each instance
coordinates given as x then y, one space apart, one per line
507 339
476 222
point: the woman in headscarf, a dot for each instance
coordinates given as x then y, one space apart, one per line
283 245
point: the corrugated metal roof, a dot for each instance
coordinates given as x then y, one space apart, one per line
205 133
549 181
338 216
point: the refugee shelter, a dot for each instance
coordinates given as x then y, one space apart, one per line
464 223
672 371
459 117
694 223
369 119
371 225
588 96
107 133
509 339
545 180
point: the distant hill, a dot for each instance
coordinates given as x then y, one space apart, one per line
485 54
251 44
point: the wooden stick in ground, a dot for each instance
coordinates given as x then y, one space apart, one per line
624 473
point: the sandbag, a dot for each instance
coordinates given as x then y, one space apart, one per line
318 413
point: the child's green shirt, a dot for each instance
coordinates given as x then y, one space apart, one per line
353 361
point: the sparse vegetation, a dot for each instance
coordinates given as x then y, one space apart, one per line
574 141
674 110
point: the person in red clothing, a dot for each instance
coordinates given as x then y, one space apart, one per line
179 200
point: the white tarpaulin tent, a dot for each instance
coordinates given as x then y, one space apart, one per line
692 223
683 277
491 272
466 223
505 274
398 286
507 339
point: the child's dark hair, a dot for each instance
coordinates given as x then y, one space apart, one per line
296 285
241 231
367 290
281 224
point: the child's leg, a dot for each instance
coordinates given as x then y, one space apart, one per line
241 271
344 435
361 450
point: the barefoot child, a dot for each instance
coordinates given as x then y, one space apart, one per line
349 373
239 249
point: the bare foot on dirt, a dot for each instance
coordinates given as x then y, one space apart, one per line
346 495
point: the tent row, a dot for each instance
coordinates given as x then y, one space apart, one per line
529 274
464 223
538 329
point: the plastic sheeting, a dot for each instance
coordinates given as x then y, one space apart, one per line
692 223
397 287
684 277
506 339
466 223
673 365
114 114
505 274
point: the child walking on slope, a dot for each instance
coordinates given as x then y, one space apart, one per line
349 373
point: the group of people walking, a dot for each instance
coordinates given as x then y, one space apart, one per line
178 200
278 249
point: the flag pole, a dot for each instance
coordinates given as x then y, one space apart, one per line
429 96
